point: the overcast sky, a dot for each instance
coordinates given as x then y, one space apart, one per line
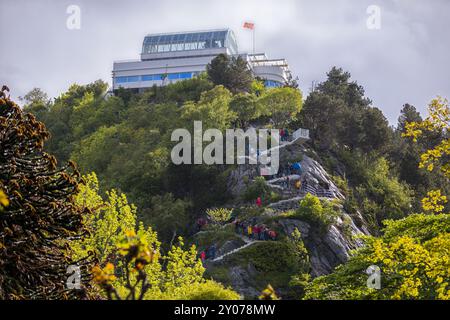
406 60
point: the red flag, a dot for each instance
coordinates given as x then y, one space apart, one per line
249 25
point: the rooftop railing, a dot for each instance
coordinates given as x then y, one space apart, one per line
301 133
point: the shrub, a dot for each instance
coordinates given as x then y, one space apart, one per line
209 290
257 188
220 215
318 213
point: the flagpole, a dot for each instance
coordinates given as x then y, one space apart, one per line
254 50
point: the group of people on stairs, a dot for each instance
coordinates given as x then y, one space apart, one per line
254 232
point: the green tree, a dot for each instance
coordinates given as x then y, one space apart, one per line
412 253
35 96
213 109
340 116
282 104
131 265
233 73
107 221
322 214
246 107
218 70
169 216
413 258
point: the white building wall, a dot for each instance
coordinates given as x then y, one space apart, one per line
194 61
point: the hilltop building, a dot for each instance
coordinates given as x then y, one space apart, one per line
171 57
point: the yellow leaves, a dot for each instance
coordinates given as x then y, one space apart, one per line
136 250
432 157
412 131
104 276
268 294
220 215
438 121
434 202
4 201
418 267
130 233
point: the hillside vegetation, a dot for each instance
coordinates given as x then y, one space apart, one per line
393 181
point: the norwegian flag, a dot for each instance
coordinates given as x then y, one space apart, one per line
249 25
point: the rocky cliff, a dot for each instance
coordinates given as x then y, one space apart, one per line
237 261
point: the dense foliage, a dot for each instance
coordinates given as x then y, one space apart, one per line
413 255
130 260
125 139
231 72
319 213
386 173
38 216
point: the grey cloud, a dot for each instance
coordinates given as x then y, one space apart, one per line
405 61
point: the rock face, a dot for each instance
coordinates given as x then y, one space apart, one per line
326 251
242 280
316 176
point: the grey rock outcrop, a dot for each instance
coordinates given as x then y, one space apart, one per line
241 279
328 250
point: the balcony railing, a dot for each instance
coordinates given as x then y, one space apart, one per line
301 133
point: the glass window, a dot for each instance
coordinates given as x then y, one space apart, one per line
152 77
133 78
272 84
121 79
190 41
185 75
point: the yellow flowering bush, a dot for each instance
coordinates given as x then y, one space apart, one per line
434 202
131 266
414 269
220 215
437 121
414 258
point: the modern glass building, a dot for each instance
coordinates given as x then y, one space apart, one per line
190 41
171 57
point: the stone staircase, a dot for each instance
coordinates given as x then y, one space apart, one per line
248 243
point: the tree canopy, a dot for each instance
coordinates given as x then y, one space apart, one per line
39 215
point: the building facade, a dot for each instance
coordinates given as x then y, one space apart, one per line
171 57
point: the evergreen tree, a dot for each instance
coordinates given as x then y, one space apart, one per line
233 73
41 216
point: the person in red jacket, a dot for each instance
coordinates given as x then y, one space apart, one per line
256 231
258 202
272 235
203 256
